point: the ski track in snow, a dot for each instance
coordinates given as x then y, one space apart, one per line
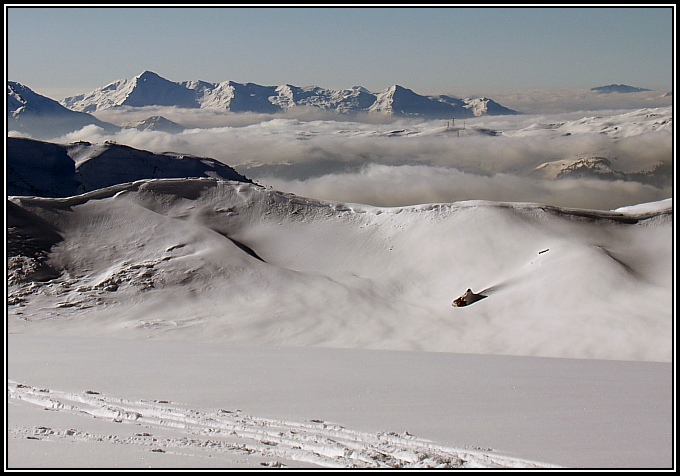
231 431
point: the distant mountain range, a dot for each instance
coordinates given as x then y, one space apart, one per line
43 118
618 88
150 89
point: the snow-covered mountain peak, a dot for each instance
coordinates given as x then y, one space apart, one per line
40 116
148 75
21 98
149 78
13 90
394 90
384 100
156 123
14 100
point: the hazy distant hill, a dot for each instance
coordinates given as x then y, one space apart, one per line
150 89
156 123
618 88
42 117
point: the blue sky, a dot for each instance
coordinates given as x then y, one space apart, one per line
72 50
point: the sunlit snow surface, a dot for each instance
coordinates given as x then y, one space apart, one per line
209 323
88 402
237 262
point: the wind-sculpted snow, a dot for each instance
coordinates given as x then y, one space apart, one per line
169 427
238 262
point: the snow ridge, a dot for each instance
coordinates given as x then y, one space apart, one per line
242 253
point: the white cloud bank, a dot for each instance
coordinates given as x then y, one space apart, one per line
408 161
384 185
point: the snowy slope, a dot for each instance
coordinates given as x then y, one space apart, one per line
599 167
41 117
111 403
145 89
355 99
400 101
482 106
240 263
149 89
615 125
238 97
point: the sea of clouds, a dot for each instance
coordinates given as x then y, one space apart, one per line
387 161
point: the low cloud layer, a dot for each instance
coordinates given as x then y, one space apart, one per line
404 162
383 185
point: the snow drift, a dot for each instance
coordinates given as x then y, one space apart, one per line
236 262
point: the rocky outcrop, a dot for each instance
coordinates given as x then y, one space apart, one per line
467 298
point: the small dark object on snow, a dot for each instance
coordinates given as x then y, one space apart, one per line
468 298
543 251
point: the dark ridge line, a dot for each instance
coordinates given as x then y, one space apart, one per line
241 246
245 248
594 215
